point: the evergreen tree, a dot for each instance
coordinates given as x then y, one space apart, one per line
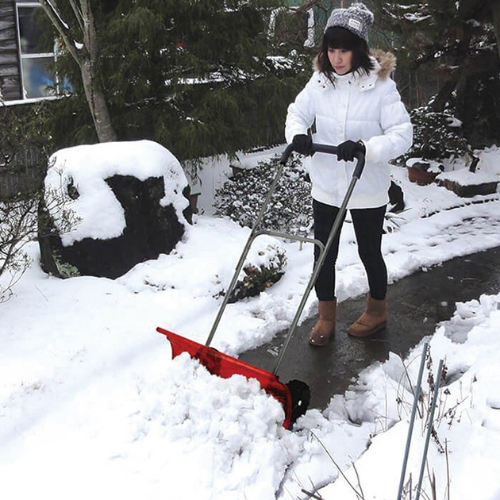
200 77
455 43
78 35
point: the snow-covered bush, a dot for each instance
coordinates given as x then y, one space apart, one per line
290 210
437 136
24 146
259 277
17 227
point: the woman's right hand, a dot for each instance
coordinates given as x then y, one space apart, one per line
302 143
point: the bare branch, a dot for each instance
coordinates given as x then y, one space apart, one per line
78 13
86 56
57 20
358 494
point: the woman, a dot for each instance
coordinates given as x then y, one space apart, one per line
353 104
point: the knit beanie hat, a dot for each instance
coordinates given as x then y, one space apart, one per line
340 38
356 18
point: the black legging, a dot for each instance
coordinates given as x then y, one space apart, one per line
368 224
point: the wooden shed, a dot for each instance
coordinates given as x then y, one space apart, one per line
10 83
26 58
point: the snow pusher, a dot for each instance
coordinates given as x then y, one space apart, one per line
295 395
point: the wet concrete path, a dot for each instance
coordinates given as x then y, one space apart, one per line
417 304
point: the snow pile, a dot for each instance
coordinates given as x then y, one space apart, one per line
487 170
98 213
92 406
184 270
230 432
467 178
467 418
195 283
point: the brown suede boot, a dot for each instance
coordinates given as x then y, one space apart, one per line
325 326
372 320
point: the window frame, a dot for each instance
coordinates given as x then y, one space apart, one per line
33 56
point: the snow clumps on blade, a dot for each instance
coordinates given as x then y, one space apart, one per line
234 418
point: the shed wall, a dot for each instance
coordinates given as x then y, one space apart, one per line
9 57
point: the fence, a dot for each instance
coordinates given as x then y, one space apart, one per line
24 173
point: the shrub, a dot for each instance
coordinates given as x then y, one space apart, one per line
290 209
258 278
24 149
17 227
436 136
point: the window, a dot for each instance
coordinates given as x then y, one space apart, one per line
36 64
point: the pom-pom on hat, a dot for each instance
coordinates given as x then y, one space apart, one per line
356 18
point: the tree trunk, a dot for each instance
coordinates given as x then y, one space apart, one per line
86 58
93 88
444 94
495 10
97 104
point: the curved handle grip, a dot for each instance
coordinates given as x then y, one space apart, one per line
325 148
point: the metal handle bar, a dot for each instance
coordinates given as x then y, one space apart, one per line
326 148
319 148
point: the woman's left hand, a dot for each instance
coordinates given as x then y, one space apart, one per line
347 150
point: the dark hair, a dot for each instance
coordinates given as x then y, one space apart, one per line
336 37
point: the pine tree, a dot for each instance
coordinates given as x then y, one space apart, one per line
78 35
200 77
455 45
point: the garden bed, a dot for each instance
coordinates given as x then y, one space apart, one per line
468 184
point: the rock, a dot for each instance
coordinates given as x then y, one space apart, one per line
108 207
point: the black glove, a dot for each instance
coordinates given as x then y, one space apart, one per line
302 143
348 149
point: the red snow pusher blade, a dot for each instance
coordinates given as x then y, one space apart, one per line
224 366
295 395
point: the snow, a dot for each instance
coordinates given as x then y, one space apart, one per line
468 178
93 406
432 165
417 18
98 212
487 170
466 420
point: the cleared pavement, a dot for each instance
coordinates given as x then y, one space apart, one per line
416 304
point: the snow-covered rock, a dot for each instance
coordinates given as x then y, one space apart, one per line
110 206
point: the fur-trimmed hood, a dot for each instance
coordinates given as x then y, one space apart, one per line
386 62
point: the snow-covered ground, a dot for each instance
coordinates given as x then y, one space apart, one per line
92 405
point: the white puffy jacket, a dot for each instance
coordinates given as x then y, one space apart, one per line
367 108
